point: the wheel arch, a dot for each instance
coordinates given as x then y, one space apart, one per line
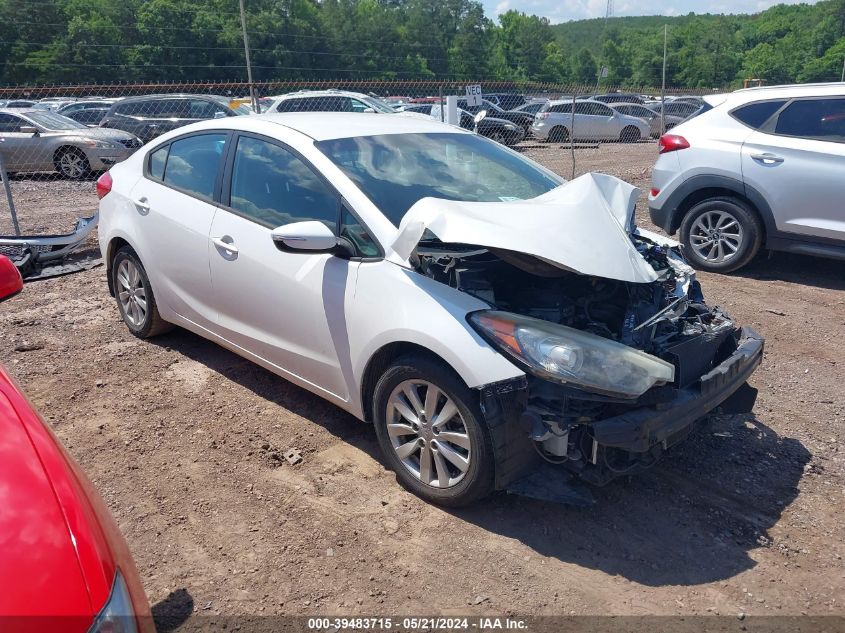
115 244
61 149
381 359
701 188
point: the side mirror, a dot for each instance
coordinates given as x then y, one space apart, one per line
28 129
369 111
305 237
219 115
11 282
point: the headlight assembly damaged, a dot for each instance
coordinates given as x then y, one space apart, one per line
617 370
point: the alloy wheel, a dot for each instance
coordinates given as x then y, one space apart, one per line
716 236
428 433
132 294
72 165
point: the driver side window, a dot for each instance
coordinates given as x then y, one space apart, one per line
273 187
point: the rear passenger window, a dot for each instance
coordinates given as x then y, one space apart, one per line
193 162
273 186
157 161
563 108
754 115
822 119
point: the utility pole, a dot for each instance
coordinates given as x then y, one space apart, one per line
843 70
608 13
663 87
253 97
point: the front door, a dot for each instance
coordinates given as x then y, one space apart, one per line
285 308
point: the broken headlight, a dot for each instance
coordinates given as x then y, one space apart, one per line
565 355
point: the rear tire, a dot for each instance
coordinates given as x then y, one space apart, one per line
559 135
446 461
721 234
630 134
134 294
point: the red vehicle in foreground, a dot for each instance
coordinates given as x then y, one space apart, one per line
64 566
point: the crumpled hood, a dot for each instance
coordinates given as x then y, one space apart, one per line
582 226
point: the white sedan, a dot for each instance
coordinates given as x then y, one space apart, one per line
483 314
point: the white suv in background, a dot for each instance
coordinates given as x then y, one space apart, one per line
764 167
594 121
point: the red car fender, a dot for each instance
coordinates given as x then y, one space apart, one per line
99 545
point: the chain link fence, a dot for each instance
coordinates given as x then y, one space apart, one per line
55 140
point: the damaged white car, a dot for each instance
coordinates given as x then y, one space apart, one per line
486 316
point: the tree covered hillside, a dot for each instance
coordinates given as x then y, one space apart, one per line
63 41
787 43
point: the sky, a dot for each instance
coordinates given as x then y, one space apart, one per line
565 10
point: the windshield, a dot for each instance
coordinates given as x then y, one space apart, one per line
53 121
378 105
397 170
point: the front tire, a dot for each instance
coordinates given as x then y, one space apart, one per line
72 163
134 294
721 234
630 135
432 432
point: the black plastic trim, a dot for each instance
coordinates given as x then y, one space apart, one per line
640 429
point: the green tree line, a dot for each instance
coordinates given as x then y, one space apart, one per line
64 41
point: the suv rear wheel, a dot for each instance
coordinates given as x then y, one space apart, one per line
721 234
559 134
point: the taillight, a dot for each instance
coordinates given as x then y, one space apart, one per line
672 143
104 184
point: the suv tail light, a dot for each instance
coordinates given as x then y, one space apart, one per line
104 184
672 143
541 115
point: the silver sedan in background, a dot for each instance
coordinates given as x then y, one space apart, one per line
649 116
38 140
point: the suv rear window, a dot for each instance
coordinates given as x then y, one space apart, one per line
754 115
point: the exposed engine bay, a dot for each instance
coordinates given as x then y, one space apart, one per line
666 318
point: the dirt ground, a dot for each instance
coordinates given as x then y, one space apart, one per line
182 438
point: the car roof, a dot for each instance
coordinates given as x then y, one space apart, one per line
792 91
320 93
168 96
323 126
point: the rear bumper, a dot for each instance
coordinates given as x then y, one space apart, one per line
638 430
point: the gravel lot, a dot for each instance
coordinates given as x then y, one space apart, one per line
181 436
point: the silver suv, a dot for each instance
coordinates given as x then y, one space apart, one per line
593 121
763 168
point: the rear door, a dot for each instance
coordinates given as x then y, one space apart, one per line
175 203
796 160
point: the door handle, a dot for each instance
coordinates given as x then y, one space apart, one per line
226 246
142 205
768 159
